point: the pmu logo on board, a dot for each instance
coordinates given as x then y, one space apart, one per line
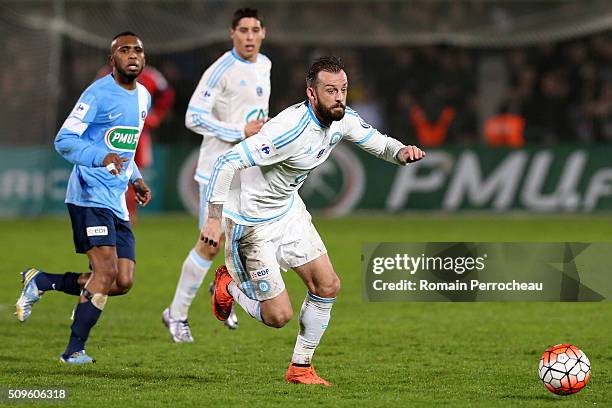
122 138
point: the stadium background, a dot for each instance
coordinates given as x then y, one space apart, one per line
548 64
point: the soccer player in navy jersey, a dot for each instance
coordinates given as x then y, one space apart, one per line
99 137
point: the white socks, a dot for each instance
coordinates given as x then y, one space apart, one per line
314 318
249 305
193 273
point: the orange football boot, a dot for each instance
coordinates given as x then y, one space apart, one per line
304 375
221 299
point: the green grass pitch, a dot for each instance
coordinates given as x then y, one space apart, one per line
376 354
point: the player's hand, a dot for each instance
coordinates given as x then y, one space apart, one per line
253 127
114 163
410 154
143 192
211 233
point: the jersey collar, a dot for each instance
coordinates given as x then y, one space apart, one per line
239 58
314 117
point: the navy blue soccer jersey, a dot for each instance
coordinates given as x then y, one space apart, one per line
106 119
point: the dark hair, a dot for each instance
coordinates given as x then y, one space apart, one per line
327 63
125 34
244 13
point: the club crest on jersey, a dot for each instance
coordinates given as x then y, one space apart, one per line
335 138
122 138
259 91
264 286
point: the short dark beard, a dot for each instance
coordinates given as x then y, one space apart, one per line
326 115
127 77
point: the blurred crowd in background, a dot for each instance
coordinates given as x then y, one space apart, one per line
438 93
431 95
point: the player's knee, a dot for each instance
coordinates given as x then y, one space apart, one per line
106 272
329 288
124 285
278 319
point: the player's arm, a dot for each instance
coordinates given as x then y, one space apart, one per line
378 144
199 118
143 192
72 147
258 150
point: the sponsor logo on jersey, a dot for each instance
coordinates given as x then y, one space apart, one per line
259 91
122 138
256 114
260 273
98 231
320 153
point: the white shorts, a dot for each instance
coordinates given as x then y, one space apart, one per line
203 213
255 255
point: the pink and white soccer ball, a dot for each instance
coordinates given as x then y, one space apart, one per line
564 369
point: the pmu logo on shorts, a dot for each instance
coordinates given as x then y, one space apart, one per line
265 149
122 138
99 231
260 274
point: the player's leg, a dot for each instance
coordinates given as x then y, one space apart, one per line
252 276
194 270
306 254
323 285
93 298
96 233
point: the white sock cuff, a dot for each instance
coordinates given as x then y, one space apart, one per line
198 260
311 296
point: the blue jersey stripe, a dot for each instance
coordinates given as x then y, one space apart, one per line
227 60
366 137
293 137
192 108
247 152
215 127
230 135
278 138
214 80
221 161
243 218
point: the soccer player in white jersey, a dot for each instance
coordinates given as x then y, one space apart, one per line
267 227
229 104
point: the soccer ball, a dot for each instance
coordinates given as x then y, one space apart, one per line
564 369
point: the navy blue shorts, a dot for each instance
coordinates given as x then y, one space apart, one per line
92 226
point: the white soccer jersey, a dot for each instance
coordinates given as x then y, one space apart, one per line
286 149
231 92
